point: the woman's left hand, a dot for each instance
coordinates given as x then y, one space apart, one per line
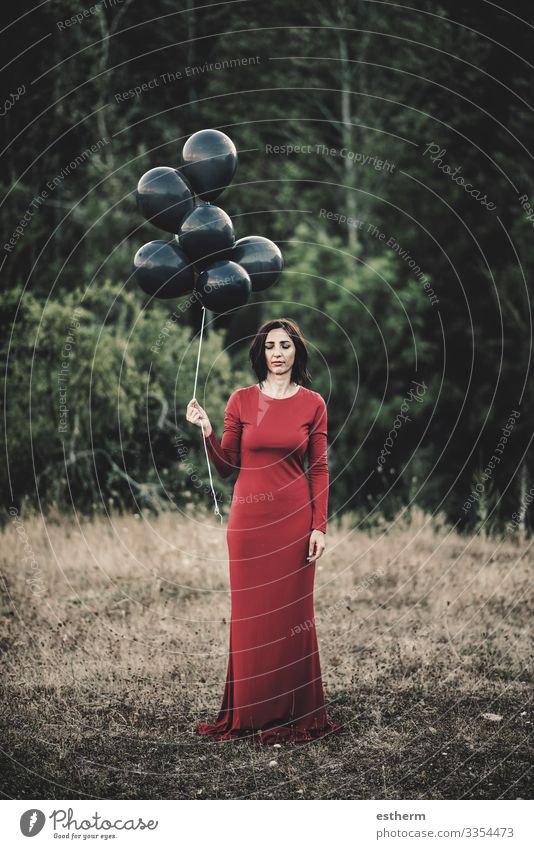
316 545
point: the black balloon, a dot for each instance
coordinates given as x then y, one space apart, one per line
261 258
206 235
164 197
223 286
209 161
162 269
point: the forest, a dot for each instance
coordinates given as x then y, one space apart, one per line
385 150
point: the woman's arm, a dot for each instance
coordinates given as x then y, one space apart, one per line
318 467
226 453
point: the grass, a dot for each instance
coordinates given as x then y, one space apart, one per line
114 638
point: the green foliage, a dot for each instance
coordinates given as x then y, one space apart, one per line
97 392
381 82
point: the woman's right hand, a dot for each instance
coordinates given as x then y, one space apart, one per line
198 416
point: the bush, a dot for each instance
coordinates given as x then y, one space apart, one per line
97 388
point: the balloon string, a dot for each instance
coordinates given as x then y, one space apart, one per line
198 353
217 511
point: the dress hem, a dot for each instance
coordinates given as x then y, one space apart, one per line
270 736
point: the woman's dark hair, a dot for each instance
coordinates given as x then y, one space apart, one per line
299 372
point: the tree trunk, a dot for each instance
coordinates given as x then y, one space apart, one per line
347 139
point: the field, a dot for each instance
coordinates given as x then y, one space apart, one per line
114 638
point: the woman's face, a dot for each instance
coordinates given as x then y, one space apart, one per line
279 351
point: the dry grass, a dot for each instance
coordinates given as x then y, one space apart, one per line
120 646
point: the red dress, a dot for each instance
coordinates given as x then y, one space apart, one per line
273 681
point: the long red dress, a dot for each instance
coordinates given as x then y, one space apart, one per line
273 681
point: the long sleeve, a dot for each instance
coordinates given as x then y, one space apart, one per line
318 467
226 453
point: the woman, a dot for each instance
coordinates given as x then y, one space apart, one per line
276 533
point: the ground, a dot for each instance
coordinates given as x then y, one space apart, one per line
114 637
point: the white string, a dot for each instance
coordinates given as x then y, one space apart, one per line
217 511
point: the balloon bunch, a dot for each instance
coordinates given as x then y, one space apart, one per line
204 255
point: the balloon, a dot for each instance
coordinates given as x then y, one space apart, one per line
209 161
261 258
162 269
164 197
206 235
223 286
